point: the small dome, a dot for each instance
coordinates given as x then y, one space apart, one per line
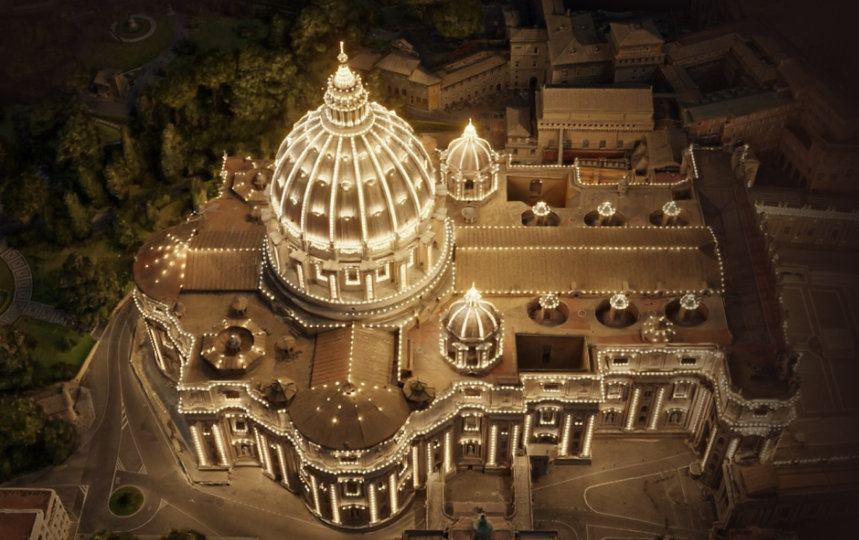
347 415
469 154
472 318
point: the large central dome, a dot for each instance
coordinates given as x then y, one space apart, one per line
355 231
351 176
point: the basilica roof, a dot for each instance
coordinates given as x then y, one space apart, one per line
351 174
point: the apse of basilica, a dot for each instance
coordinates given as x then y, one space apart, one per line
361 318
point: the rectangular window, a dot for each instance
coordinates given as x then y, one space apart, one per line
547 417
681 390
620 143
352 488
620 361
688 361
602 144
353 275
614 391
471 423
586 143
383 272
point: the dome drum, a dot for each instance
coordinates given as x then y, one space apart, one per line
471 334
355 288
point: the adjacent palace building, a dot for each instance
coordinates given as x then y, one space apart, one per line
361 318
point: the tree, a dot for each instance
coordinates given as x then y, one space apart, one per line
90 186
78 142
131 154
277 29
78 215
456 19
184 534
117 178
89 289
110 535
172 153
59 440
24 197
16 361
21 420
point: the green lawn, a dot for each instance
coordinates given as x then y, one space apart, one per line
7 286
105 51
126 501
214 31
46 263
55 345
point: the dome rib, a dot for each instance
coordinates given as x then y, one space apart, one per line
359 186
335 183
402 171
311 180
383 181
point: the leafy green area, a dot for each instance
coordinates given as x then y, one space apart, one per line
106 51
215 31
7 286
126 501
30 441
58 350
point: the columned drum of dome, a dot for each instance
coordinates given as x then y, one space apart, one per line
355 230
469 167
471 334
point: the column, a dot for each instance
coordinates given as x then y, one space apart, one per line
633 409
281 461
299 273
526 436
706 455
404 274
429 459
765 455
416 468
493 443
314 488
657 409
374 503
732 448
265 456
197 438
335 502
564 445
332 286
448 451
514 442
561 146
394 495
368 285
589 435
219 444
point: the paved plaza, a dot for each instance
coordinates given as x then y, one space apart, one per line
635 488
